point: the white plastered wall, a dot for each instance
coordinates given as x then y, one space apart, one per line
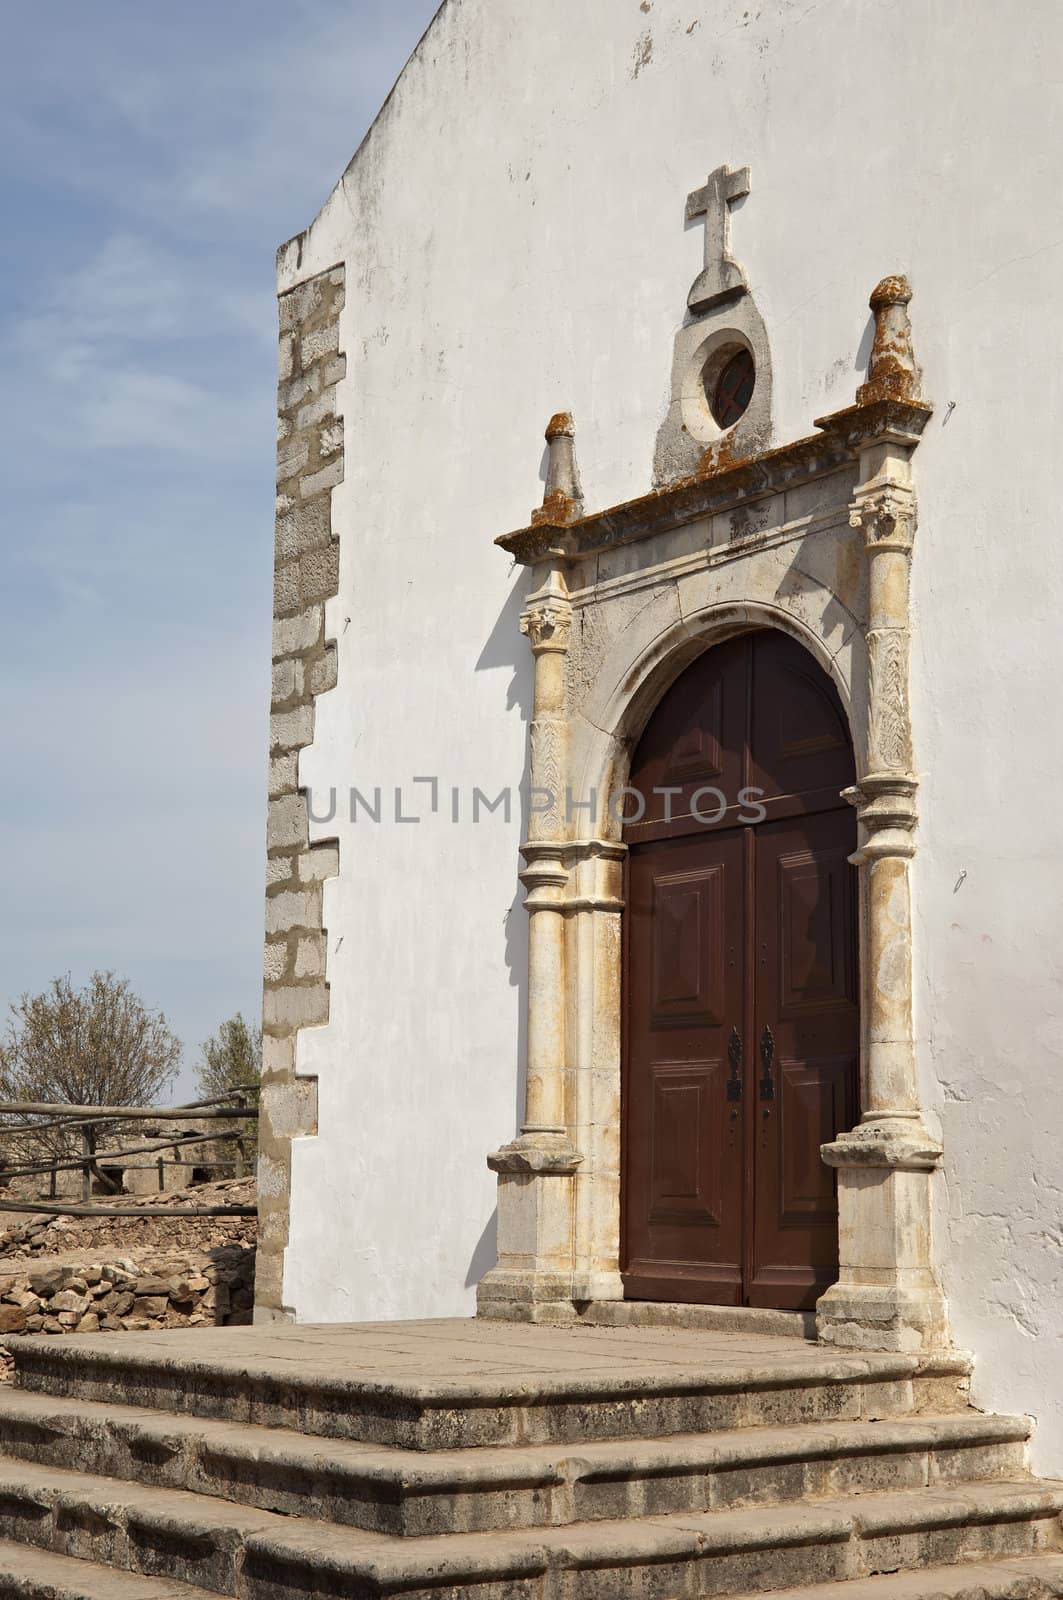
514 238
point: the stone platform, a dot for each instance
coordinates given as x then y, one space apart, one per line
509 1462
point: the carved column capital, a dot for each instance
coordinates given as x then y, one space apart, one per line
547 625
547 616
887 518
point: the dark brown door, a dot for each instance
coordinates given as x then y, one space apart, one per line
741 1018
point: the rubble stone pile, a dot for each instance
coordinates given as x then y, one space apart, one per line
174 1291
62 1275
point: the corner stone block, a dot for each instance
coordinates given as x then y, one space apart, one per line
279 869
300 304
292 457
290 730
275 962
319 862
320 342
286 822
283 681
293 1110
283 777
297 1006
278 1058
327 478
310 957
305 527
323 673
296 635
319 574
291 910
286 595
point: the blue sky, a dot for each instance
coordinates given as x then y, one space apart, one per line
152 157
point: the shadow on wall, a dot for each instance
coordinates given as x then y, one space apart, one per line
506 646
485 1255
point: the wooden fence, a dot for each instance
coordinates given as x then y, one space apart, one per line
88 1124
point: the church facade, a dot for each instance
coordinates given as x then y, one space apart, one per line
663 866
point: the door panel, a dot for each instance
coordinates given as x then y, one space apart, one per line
814 1104
688 957
684 1179
805 991
683 1144
798 737
814 921
696 737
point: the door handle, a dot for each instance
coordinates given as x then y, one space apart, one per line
734 1061
767 1057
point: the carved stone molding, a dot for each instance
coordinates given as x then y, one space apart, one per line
889 728
724 485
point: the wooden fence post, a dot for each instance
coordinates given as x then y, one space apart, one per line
88 1148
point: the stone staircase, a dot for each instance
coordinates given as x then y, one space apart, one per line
502 1462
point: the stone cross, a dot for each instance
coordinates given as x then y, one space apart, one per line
722 278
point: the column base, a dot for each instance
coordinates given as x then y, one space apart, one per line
908 1317
887 1296
515 1296
536 1194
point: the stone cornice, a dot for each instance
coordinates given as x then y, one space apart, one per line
726 485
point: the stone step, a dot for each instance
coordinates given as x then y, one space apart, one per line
1032 1578
457 1390
258 1555
28 1574
418 1493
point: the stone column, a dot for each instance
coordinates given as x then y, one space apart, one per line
536 1171
594 908
887 1296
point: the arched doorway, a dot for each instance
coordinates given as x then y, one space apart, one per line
741 1015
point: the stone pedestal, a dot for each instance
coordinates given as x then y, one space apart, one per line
536 1190
886 1296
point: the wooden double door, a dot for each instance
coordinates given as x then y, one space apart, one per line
741 1027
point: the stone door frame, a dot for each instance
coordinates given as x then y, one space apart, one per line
814 538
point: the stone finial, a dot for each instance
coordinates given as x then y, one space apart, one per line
891 372
563 497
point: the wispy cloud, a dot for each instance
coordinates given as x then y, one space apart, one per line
151 159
